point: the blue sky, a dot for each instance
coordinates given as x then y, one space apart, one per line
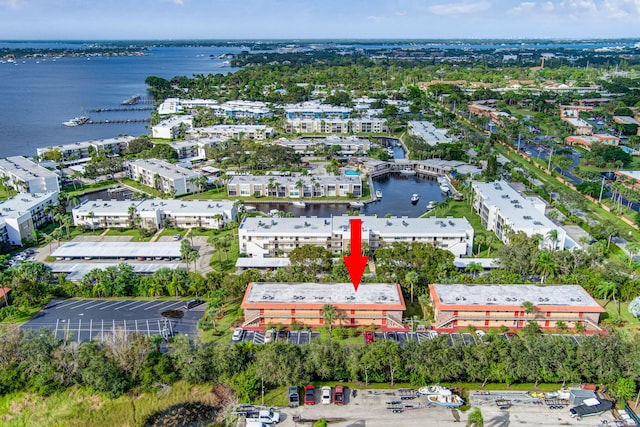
180 19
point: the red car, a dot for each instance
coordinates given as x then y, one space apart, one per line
309 395
368 337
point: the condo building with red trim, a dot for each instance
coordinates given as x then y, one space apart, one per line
459 306
373 304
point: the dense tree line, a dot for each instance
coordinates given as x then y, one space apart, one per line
38 362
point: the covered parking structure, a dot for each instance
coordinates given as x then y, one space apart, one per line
118 251
76 271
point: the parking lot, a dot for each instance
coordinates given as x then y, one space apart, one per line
82 320
295 337
370 409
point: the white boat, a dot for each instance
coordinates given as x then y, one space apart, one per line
445 188
414 198
442 179
407 171
378 194
441 396
431 205
299 204
356 204
274 212
76 121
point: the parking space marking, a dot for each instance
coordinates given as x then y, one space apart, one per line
98 303
141 305
114 303
81 305
155 305
59 306
127 305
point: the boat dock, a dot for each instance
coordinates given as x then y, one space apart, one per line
107 122
107 110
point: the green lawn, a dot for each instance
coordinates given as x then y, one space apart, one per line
631 323
223 327
134 233
461 209
143 188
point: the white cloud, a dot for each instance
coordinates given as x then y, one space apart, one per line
459 8
524 7
622 8
177 2
13 4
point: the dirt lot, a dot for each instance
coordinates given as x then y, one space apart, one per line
369 410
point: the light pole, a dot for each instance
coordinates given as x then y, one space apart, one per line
550 156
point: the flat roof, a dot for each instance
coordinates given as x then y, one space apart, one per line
262 262
484 262
511 297
165 169
293 180
631 174
428 132
625 120
76 271
25 169
311 295
24 202
118 250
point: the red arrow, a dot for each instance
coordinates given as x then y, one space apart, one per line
355 262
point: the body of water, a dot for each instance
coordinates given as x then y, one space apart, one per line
38 95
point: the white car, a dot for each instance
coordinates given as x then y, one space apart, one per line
326 395
269 335
237 334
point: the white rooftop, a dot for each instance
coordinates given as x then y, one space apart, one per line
262 262
323 293
76 271
24 168
428 132
510 295
165 169
118 250
22 203
632 174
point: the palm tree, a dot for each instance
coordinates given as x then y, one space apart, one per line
546 266
411 278
528 307
552 235
473 268
480 240
489 239
132 214
329 315
633 248
91 215
66 222
300 185
605 289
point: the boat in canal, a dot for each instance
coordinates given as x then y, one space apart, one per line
356 204
444 188
414 198
378 194
431 205
76 121
299 204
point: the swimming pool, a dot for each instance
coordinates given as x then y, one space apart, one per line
351 172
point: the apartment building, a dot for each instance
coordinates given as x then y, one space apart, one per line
348 145
195 149
154 213
270 237
461 306
238 108
294 186
503 210
315 110
25 176
336 125
172 127
378 305
258 132
428 132
585 141
81 152
163 176
22 214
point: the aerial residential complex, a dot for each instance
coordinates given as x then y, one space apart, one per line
295 186
164 176
195 149
270 237
428 132
80 152
503 210
375 304
315 110
587 140
493 306
154 213
253 109
25 176
22 214
172 127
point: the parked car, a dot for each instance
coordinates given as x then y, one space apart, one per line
294 397
368 337
237 334
177 236
193 303
269 416
338 395
309 395
326 395
269 335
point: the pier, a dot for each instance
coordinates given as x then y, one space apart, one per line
107 110
107 122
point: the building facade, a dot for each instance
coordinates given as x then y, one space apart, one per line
81 152
315 110
172 127
271 237
336 125
587 140
302 186
195 149
378 305
503 210
259 132
461 306
20 215
307 146
154 214
163 176
25 176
